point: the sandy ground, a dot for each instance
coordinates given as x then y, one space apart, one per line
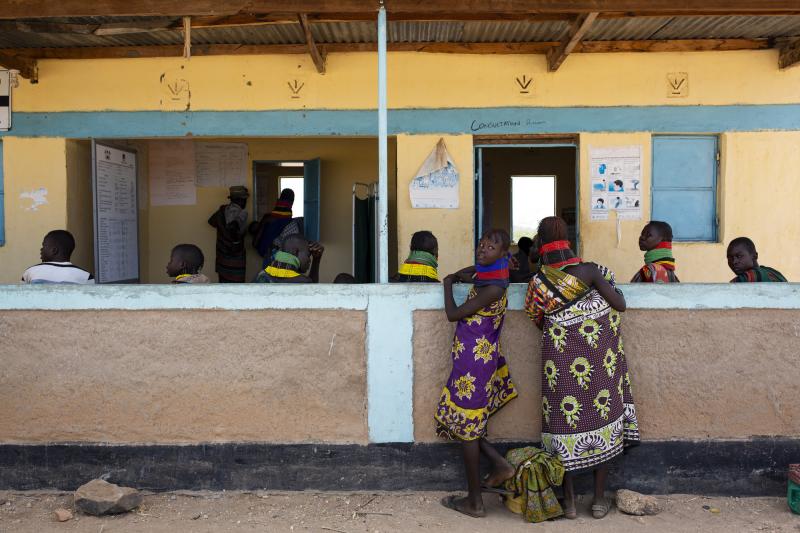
364 512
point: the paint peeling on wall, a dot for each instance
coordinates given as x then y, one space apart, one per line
38 197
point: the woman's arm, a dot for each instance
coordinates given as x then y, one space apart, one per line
484 297
613 296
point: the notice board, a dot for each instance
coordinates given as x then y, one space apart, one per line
116 222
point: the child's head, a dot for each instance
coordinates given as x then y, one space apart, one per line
425 241
618 183
524 244
742 255
654 233
552 229
238 194
57 245
344 277
493 245
185 259
287 196
297 245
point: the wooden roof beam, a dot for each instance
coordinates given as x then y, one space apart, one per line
122 52
26 66
316 55
789 53
576 31
29 9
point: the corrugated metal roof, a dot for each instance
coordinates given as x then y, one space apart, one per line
731 27
630 28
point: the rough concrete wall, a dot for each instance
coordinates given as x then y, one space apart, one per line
696 374
183 376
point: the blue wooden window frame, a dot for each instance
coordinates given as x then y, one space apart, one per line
684 189
2 201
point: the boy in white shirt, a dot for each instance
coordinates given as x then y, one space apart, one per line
57 248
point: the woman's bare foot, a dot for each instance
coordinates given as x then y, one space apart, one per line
464 506
500 473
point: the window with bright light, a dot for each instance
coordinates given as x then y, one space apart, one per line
532 199
295 184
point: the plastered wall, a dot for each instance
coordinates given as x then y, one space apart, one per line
183 376
79 202
35 176
454 228
695 374
414 80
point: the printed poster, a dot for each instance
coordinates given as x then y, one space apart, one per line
616 174
172 173
436 182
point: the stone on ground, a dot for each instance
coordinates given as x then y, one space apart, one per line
99 497
631 502
63 515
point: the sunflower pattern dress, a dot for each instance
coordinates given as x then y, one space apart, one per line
587 406
479 384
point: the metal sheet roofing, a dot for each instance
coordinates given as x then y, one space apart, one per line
604 29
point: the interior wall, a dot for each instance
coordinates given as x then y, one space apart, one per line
343 161
35 183
502 163
80 202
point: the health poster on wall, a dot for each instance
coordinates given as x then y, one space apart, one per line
116 223
172 173
220 164
616 174
436 183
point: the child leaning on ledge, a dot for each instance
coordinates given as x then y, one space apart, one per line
185 263
292 261
659 263
422 264
743 260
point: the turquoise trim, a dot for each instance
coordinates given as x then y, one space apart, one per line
363 122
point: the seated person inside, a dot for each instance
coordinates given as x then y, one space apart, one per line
185 263
659 263
522 272
743 260
57 248
422 263
292 261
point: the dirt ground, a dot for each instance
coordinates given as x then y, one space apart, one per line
369 512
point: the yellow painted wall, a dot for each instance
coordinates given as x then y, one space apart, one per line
31 164
452 227
414 80
79 202
757 198
343 161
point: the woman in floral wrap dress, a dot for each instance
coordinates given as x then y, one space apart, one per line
587 407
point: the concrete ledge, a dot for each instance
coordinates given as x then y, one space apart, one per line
329 296
752 467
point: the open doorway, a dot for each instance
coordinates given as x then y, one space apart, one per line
518 185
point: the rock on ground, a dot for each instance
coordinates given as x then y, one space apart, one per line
631 502
99 497
63 515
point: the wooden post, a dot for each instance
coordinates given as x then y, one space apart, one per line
316 56
577 30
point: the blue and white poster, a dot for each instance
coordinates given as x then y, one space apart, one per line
616 174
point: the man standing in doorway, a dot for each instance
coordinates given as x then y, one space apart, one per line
230 221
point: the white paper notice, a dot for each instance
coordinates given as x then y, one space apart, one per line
436 182
616 174
116 222
172 173
221 164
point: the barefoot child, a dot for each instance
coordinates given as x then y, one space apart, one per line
659 264
479 383
743 260
422 263
185 263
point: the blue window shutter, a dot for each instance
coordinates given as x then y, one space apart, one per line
311 185
684 190
2 201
